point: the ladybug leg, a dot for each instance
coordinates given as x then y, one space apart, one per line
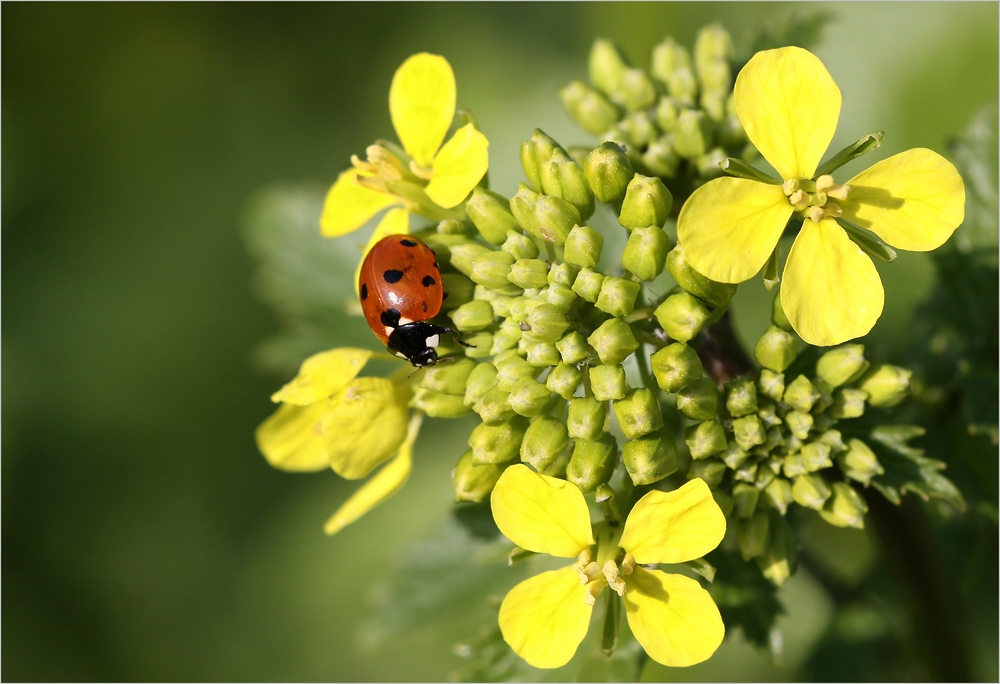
458 338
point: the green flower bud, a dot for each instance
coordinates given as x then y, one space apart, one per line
444 243
534 153
647 203
681 315
778 316
638 413
545 441
859 462
767 412
588 285
713 44
745 500
449 378
771 384
848 403
799 423
463 254
713 97
724 501
705 439
667 114
490 213
497 443
494 407
613 340
646 252
587 417
834 439
748 431
474 482
841 365
747 472
574 348
617 296
608 382
683 87
588 107
639 129
741 397
801 394
528 273
562 178
491 269
692 134
608 172
510 370
592 462
547 323
764 477
886 385
438 404
699 400
583 246
520 246
561 297
474 315
733 456
709 163
606 66
564 379
637 91
563 274
453 227
529 397
775 350
815 456
676 366
711 470
481 380
845 508
504 340
778 494
480 344
650 458
716 294
668 57
775 438
752 534
459 291
660 158
810 490
543 355
778 562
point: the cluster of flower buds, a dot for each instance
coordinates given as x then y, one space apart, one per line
676 121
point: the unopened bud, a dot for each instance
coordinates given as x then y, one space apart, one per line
733 456
681 315
716 78
490 212
746 472
676 366
608 382
741 397
520 246
845 508
778 562
709 163
497 443
463 254
560 296
564 379
529 273
592 462
613 340
574 348
660 158
647 203
638 413
712 44
752 535
636 91
474 482
771 384
745 500
699 400
778 494
583 246
459 291
716 294
439 404
494 407
449 378
650 458
608 172
542 354
711 470
748 431
543 216
562 178
504 340
510 370
480 344
481 380
886 385
682 85
859 462
534 153
547 323
775 350
646 252
586 418
705 438
606 66
589 108
778 316
474 315
801 394
815 456
841 365
848 402
668 56
692 134
588 285
490 269
799 423
617 296
810 490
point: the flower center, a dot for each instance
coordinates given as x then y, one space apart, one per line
812 198
596 577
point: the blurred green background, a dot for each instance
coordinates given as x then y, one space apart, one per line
143 536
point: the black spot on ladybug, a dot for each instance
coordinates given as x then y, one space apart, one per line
428 281
407 243
364 292
392 276
390 317
423 305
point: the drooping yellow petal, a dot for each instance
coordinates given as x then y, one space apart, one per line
290 439
674 527
831 291
364 425
730 226
395 222
323 374
913 200
674 620
458 167
383 485
348 206
545 618
789 106
541 513
422 104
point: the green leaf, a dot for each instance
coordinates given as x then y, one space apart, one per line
745 597
907 469
974 154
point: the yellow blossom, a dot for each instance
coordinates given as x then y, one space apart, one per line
789 106
545 618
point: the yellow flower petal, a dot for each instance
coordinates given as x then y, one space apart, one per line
348 206
458 167
789 106
831 291
290 438
422 104
729 227
672 617
323 374
914 200
383 485
395 222
674 527
364 425
545 618
541 513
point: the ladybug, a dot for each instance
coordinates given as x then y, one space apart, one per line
400 287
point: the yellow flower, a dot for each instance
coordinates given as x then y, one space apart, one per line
424 176
545 618
831 292
329 417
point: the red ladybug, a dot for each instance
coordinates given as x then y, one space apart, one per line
400 286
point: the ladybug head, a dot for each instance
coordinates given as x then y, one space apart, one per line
416 343
424 357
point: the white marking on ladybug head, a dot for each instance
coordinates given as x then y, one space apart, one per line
401 355
433 341
388 330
